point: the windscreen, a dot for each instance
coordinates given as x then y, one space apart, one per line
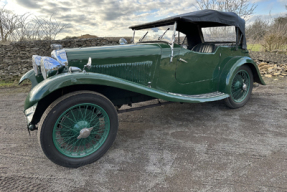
163 33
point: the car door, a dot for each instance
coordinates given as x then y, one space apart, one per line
196 66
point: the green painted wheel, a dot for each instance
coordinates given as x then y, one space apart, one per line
89 118
78 128
240 86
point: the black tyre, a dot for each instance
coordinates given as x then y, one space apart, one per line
78 128
241 88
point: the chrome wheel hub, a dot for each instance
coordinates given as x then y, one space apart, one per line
84 133
244 87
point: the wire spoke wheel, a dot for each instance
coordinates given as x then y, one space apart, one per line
78 128
69 125
240 86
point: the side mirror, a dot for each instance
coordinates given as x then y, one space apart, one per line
122 41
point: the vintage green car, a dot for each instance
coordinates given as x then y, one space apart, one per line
76 93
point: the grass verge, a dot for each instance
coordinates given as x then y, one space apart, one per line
254 47
8 84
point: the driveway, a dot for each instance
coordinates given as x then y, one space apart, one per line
176 147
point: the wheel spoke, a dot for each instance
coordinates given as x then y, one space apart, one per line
95 116
72 121
86 112
69 128
61 137
73 115
238 94
80 110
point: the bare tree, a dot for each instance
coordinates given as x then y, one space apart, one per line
48 28
276 35
15 27
257 30
9 23
270 34
243 8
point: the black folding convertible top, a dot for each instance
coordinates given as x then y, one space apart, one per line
201 19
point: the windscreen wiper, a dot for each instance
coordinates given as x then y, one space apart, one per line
143 36
163 34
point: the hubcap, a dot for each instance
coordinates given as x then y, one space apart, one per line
240 86
81 130
244 87
84 133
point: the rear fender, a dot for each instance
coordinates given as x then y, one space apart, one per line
231 67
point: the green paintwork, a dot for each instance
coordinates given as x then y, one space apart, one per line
32 77
68 126
185 78
228 72
146 69
133 62
167 73
200 66
69 79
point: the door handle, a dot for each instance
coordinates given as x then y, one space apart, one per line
182 60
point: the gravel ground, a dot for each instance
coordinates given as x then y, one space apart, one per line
176 147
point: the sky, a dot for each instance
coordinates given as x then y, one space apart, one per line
110 18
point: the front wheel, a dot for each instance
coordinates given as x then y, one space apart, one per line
241 88
78 128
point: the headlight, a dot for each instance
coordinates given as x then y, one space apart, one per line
36 59
60 56
49 67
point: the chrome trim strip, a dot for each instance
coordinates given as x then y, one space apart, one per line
182 60
74 69
173 39
133 41
206 95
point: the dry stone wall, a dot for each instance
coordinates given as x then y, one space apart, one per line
273 57
271 64
15 58
273 70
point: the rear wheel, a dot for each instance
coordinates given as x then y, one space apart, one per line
78 128
241 88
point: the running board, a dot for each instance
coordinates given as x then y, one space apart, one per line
203 96
214 96
144 107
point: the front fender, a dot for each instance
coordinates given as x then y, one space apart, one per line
68 79
32 77
231 67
